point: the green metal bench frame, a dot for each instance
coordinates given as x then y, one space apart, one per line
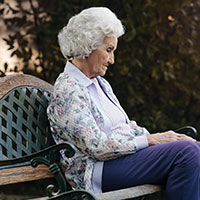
25 137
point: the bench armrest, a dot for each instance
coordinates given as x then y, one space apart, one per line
51 152
48 156
188 130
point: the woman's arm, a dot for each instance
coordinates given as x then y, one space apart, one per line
71 115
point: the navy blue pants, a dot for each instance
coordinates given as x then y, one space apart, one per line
176 165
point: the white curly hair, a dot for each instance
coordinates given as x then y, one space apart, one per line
86 31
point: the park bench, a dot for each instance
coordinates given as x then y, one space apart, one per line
27 150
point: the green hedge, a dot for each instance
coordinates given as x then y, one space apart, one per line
156 73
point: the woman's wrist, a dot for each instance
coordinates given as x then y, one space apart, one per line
151 138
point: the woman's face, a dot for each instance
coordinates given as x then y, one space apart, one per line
98 61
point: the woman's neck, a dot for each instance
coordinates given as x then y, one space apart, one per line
81 64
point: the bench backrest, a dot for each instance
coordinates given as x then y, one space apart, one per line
25 132
24 127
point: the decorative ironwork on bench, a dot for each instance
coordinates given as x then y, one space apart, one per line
25 137
23 122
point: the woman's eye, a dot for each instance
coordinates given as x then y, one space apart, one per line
109 50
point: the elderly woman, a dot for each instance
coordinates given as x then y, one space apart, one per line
112 152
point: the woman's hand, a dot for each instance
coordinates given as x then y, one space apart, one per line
167 136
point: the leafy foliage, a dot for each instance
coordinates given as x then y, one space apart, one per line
157 62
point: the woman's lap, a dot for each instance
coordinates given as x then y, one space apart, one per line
152 165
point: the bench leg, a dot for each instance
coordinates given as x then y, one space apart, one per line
56 171
74 195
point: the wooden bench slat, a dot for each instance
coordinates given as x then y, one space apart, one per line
129 192
23 174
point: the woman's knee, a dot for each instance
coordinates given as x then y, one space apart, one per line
189 151
188 145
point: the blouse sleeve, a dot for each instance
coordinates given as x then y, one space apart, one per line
71 118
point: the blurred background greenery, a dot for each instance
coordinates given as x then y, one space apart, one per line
157 64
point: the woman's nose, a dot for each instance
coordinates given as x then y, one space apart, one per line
112 58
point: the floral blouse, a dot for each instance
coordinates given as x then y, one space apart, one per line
75 118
